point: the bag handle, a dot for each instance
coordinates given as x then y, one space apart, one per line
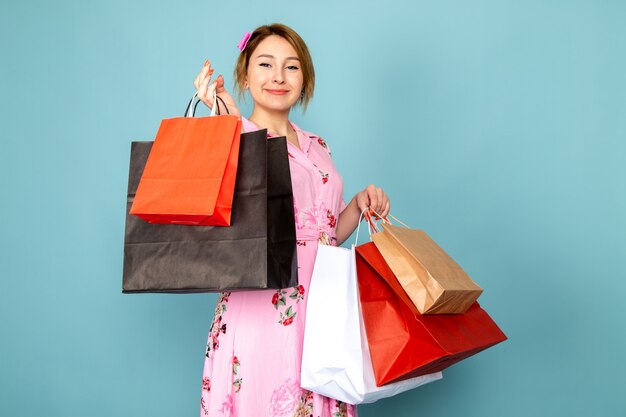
190 111
386 220
365 214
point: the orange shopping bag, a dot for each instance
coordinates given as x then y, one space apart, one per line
189 177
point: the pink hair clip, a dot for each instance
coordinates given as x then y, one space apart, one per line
244 41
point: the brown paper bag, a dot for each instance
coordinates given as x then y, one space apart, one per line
434 282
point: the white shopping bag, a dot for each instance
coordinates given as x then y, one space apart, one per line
336 359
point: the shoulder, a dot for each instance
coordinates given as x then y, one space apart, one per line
309 134
248 126
317 140
312 136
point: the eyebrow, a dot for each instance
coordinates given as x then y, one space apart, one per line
273 57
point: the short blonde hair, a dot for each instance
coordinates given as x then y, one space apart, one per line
290 35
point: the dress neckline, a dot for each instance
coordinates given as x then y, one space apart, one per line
303 139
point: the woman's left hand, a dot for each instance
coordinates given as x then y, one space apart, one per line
374 198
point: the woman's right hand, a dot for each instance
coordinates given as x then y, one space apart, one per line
205 89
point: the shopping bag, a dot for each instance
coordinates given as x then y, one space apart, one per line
189 177
434 282
257 251
404 343
335 358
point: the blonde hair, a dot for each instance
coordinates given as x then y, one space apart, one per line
290 35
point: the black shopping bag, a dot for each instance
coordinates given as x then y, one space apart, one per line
257 251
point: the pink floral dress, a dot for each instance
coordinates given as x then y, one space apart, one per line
254 349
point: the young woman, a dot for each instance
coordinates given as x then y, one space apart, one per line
254 349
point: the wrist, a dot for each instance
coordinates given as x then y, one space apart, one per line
355 207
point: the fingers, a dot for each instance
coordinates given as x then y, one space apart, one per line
209 94
375 195
380 199
387 208
206 69
372 195
362 201
377 200
203 84
220 84
205 88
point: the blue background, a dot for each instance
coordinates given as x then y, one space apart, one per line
499 127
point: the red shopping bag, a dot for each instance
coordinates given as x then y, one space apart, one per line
189 177
405 344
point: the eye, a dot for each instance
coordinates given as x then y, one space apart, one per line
292 67
264 64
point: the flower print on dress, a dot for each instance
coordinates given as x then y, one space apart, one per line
315 218
296 216
305 406
324 176
203 406
206 384
332 222
284 399
278 299
287 317
217 327
285 304
339 409
237 381
297 293
227 405
220 307
324 145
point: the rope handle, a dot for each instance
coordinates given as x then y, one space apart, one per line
386 220
190 111
371 225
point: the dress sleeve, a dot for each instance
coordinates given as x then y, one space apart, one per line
342 205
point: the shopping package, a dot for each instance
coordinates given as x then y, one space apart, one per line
257 251
434 282
404 343
335 358
189 177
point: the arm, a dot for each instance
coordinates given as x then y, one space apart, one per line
371 196
348 221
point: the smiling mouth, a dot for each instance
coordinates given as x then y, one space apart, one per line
277 92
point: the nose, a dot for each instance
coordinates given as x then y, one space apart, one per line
278 76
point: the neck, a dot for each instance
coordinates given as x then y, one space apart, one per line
274 121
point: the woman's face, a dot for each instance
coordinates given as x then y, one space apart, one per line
274 75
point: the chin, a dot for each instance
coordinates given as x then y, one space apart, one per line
284 106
